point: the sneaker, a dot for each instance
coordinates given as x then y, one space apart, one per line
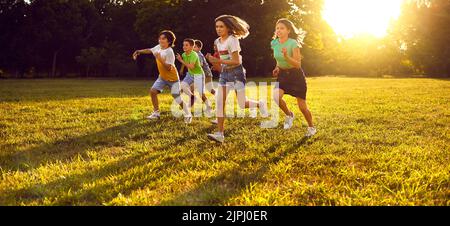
188 119
263 109
311 132
289 121
218 137
253 113
215 121
154 116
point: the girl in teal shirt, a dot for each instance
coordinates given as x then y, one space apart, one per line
290 76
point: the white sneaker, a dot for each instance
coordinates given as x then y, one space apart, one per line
289 121
188 119
154 116
218 137
311 132
215 121
263 109
253 113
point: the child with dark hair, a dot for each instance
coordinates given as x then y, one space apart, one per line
208 73
168 73
195 76
290 76
232 77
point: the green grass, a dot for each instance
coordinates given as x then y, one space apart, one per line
86 142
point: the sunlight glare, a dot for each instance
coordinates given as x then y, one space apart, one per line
354 17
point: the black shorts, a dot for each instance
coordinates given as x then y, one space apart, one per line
293 82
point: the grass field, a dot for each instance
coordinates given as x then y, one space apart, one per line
86 142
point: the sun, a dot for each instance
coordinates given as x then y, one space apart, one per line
354 17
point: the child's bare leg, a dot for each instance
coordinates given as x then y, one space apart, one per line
221 101
278 98
154 95
209 85
305 111
244 102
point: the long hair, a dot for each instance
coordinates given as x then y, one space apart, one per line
237 26
296 33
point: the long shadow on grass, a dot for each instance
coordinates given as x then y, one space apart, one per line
24 160
12 159
71 89
126 177
217 190
103 189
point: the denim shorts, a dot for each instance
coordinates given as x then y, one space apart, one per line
197 80
160 83
234 77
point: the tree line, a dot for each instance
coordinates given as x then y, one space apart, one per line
95 38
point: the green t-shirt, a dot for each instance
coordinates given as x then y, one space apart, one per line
193 58
277 47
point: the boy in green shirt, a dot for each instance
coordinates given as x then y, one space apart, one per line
195 76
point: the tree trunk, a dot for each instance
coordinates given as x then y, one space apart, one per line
55 54
87 70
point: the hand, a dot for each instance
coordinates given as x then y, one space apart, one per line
285 52
135 54
179 58
216 66
212 59
208 56
276 72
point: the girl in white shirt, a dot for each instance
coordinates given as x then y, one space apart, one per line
230 29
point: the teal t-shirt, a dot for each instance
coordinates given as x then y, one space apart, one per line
277 47
193 58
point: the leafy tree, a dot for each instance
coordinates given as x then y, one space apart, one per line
424 33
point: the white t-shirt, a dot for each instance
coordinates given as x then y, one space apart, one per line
169 57
166 54
228 47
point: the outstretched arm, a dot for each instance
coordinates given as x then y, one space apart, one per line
141 51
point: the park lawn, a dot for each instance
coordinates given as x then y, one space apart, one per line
86 142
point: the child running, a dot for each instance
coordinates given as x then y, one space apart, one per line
208 73
168 74
195 75
230 29
290 76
